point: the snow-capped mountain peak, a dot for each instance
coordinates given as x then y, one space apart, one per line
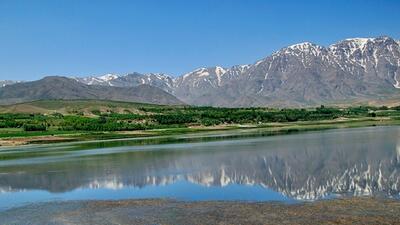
301 46
302 49
97 80
161 76
361 42
108 77
205 72
351 45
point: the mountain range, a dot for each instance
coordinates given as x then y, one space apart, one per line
353 70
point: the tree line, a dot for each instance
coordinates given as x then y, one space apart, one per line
161 117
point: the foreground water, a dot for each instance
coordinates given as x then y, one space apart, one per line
218 166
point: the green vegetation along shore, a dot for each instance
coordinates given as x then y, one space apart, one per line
50 121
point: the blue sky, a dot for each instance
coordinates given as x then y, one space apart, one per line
82 37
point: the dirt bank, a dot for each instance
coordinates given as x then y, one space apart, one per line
338 211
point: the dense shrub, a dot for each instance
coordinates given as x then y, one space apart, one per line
34 127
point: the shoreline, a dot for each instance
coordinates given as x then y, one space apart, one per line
353 210
269 129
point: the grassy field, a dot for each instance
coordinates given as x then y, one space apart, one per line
52 121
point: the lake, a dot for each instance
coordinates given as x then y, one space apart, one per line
235 165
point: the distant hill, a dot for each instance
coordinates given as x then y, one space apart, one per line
86 107
66 88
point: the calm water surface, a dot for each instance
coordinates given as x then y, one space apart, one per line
218 166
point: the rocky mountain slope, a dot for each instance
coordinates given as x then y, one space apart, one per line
66 88
358 69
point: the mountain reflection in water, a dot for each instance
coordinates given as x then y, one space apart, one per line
307 166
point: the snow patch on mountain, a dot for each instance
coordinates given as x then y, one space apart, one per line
219 70
397 84
203 73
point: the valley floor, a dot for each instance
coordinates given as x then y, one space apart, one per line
338 211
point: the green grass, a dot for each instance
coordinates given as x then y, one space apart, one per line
21 133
